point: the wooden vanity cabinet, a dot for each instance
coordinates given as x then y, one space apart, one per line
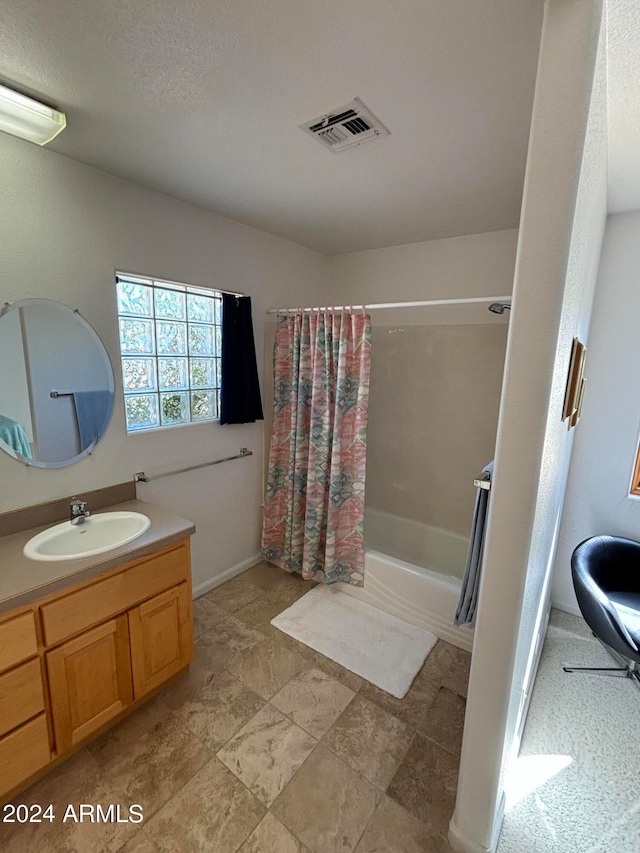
161 638
24 741
89 682
84 656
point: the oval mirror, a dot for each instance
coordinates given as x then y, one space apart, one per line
56 384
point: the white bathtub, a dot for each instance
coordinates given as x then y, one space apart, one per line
414 571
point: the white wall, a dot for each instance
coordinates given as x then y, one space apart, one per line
562 221
597 498
65 228
474 265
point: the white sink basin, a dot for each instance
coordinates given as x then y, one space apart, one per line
98 533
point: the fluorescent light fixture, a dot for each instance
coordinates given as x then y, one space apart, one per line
28 119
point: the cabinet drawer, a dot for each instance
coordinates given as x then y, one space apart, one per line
21 695
18 640
148 576
22 753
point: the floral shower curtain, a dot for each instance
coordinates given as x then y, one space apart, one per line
314 509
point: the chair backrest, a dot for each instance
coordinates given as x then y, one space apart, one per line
600 565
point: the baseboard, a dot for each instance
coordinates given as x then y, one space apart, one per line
573 609
462 844
206 586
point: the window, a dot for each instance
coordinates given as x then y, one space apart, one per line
170 345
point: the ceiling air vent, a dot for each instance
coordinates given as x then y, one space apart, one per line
345 127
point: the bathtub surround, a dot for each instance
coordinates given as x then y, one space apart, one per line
314 505
379 647
433 415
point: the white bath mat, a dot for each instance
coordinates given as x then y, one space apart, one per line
375 645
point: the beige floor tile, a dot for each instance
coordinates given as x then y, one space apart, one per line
289 592
439 661
370 740
313 658
457 676
219 709
265 608
205 615
151 769
272 603
140 843
282 639
426 783
78 780
330 667
269 577
327 804
313 700
393 829
266 668
444 721
188 685
115 741
227 641
266 753
234 594
413 707
213 812
270 836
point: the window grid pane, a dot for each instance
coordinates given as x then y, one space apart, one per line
171 343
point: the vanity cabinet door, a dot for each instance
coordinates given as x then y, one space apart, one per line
161 634
89 681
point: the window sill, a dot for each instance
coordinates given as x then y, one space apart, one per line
151 430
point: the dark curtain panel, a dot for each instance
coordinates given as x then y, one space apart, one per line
240 401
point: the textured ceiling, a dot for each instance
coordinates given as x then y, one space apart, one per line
201 100
623 71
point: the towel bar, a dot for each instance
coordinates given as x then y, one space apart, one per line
141 477
482 484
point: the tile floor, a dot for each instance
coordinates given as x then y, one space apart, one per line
266 746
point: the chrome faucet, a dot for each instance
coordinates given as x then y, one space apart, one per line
78 511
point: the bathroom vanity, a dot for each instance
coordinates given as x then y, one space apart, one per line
85 642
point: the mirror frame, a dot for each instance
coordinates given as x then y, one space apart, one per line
36 463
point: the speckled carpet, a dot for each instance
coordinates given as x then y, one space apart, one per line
575 787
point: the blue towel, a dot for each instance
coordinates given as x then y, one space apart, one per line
93 410
14 435
466 610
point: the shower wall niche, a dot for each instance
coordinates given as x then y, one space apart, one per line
433 414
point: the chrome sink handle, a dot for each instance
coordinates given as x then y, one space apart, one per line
78 511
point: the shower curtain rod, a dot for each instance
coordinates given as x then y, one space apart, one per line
372 306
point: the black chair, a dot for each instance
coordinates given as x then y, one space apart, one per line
606 578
